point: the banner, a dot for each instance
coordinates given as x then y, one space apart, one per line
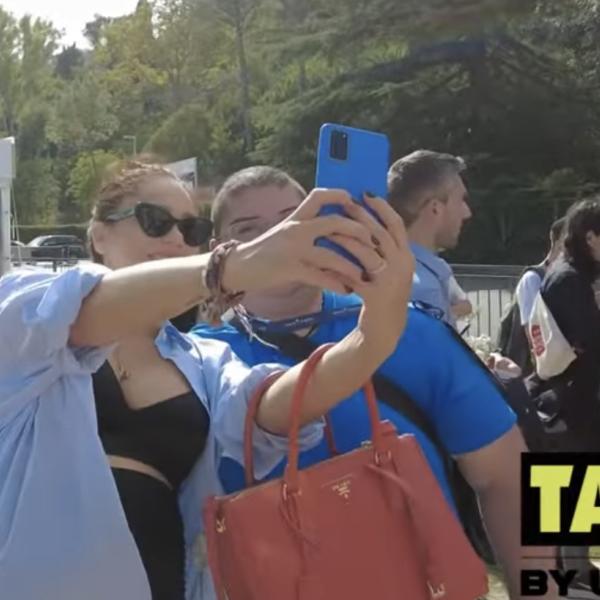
187 171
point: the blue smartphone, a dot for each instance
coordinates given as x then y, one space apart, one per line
354 160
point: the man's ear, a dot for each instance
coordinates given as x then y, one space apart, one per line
433 207
214 242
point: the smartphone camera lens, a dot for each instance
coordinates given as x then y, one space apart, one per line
339 145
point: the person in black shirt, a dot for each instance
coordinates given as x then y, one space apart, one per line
568 293
152 426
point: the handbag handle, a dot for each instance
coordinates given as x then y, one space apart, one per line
251 413
291 473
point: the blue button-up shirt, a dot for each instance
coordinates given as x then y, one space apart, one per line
63 532
431 281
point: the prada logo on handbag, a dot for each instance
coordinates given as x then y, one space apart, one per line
221 526
343 489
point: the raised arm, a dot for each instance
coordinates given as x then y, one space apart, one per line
136 300
351 362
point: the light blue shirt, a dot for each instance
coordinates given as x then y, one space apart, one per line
63 532
431 281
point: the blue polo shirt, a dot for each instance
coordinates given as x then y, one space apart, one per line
431 281
448 383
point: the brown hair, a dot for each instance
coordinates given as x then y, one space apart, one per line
122 180
410 177
582 218
247 179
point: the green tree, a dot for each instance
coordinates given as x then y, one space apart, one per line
37 87
197 131
82 119
125 64
85 180
237 15
26 55
9 72
27 91
509 84
94 30
188 41
70 60
36 192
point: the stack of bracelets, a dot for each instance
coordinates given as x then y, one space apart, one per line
220 300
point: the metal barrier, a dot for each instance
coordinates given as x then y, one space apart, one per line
56 265
490 289
57 258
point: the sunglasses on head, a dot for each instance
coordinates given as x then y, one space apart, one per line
156 221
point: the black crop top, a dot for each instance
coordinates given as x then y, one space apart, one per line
168 436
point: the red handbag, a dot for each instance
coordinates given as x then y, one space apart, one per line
372 523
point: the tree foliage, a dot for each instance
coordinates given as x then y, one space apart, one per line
509 84
85 179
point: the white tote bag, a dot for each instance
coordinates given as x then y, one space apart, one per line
552 353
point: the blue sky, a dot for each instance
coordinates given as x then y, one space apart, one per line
69 16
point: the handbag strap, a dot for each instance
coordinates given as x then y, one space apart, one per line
290 477
291 473
251 414
423 527
390 393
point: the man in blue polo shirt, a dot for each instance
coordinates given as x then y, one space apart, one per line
427 190
446 381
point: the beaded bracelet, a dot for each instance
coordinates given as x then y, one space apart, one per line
220 300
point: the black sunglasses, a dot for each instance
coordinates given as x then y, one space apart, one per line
156 221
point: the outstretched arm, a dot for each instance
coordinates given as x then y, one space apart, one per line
350 363
137 299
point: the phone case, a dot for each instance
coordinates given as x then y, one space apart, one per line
363 170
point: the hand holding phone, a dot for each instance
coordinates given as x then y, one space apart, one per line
354 160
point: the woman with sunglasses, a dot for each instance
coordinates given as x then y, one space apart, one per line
102 484
149 212
145 214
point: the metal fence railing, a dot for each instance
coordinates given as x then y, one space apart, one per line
490 289
55 258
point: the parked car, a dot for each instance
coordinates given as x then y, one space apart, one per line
17 244
53 247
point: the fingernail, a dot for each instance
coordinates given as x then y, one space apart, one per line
375 241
